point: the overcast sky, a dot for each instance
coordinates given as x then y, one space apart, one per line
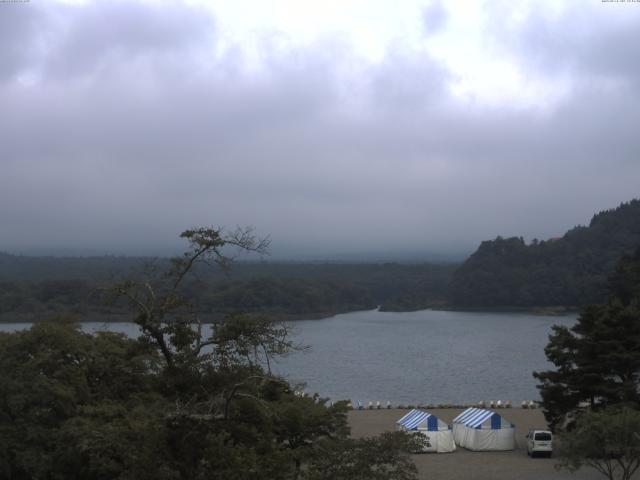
335 126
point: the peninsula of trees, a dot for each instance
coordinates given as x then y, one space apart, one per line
32 288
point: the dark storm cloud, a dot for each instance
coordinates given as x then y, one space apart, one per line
131 129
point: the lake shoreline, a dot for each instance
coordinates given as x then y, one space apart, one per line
441 357
556 311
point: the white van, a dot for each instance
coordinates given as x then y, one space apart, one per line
539 442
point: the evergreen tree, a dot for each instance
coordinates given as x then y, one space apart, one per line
568 271
598 359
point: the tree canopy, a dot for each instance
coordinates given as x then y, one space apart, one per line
598 359
607 441
179 401
571 270
34 288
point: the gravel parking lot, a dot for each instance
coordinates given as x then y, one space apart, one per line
463 464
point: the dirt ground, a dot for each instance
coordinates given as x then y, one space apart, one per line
466 465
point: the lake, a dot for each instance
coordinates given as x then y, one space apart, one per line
428 356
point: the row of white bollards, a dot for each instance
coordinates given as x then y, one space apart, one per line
492 404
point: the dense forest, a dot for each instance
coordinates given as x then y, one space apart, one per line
175 403
37 287
569 271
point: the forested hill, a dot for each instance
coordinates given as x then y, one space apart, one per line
34 288
27 268
568 271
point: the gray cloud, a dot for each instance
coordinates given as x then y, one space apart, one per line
135 130
18 38
592 41
434 17
97 37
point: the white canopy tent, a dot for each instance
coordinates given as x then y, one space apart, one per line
478 429
439 437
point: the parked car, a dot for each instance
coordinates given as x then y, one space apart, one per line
539 442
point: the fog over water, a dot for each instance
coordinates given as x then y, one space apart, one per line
336 127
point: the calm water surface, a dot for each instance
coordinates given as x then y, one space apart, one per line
427 356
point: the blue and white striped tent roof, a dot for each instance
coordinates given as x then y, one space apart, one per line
476 417
418 419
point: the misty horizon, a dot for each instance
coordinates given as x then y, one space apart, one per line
278 254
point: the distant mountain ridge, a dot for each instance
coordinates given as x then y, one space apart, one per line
568 271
